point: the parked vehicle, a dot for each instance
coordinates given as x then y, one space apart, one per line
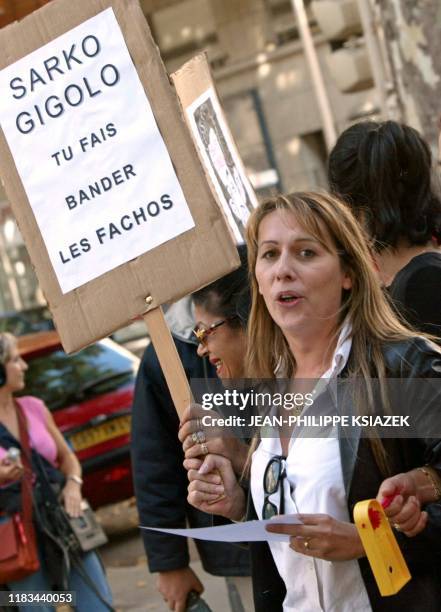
134 337
90 396
26 321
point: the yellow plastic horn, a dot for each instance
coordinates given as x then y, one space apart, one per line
384 555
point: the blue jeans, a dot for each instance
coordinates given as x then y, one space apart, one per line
86 599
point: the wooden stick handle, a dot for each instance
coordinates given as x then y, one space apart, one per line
169 359
171 364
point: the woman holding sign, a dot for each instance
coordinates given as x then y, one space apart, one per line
319 319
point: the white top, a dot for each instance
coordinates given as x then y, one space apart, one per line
313 485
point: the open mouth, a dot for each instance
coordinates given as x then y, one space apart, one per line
288 297
218 363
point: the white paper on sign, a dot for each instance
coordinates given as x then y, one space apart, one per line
89 153
221 160
248 531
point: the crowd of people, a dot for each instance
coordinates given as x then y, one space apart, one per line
343 288
319 313
338 290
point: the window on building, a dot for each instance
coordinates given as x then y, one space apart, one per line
185 28
307 168
284 22
19 287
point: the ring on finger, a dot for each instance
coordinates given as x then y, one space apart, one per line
199 423
201 438
306 544
195 437
204 449
396 526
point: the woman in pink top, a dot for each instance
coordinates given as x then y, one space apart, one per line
44 435
52 461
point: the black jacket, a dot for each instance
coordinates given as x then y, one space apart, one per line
416 293
409 360
160 479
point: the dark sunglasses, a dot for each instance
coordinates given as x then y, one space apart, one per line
202 332
273 477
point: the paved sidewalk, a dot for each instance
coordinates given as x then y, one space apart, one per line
134 589
132 585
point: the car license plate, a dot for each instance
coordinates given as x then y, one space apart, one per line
101 433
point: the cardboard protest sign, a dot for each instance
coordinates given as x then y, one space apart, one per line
100 171
95 56
215 143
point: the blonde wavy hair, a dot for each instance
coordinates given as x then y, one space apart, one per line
373 320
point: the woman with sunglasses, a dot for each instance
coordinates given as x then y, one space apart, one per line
319 317
221 311
160 485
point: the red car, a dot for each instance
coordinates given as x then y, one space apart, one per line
90 395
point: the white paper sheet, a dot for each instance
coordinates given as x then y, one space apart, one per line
89 153
249 531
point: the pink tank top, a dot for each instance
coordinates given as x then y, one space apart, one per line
40 438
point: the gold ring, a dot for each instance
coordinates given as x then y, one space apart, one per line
201 437
195 437
199 423
306 544
204 449
396 526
